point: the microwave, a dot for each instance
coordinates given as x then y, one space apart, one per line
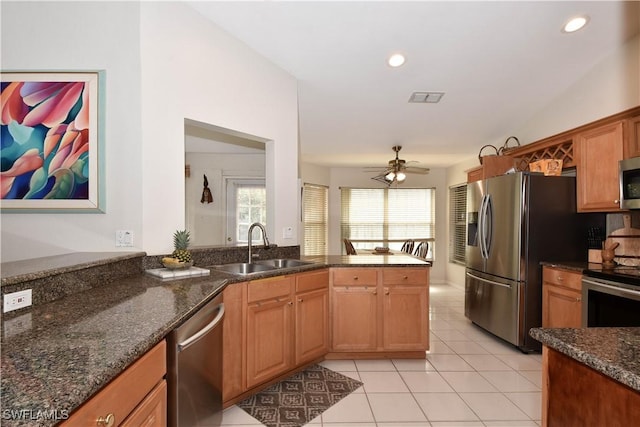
630 183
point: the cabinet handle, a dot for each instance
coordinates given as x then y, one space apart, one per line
375 292
290 303
405 277
560 278
617 202
107 421
300 300
355 277
386 291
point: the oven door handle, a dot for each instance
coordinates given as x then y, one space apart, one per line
621 291
202 332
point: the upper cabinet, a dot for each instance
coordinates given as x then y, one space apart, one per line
594 149
598 152
632 145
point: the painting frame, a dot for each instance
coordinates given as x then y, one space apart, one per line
63 171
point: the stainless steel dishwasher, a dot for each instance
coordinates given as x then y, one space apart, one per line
194 371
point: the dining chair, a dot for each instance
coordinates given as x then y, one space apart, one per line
349 247
422 249
408 246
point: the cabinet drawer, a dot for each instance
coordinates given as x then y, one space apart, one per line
273 287
355 276
405 276
125 392
560 277
312 280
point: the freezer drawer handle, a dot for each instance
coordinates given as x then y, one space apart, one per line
489 281
202 332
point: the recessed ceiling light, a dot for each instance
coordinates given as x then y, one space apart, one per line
575 23
396 60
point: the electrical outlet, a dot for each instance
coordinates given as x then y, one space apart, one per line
16 300
124 238
287 233
17 325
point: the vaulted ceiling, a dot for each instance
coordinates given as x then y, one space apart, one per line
498 64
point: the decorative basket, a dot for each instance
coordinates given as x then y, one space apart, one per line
481 157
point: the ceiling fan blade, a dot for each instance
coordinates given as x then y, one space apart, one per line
416 169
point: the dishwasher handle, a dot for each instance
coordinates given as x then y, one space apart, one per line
202 332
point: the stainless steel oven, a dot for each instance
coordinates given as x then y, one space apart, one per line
630 183
607 303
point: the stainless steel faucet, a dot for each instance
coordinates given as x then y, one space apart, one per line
265 239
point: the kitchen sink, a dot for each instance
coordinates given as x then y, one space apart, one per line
283 263
243 268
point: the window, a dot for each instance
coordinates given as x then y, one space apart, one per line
457 223
246 204
315 217
387 217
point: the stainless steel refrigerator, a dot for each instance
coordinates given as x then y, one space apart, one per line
514 222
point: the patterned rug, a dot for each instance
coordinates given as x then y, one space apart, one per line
295 401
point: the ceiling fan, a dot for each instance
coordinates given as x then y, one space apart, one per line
397 170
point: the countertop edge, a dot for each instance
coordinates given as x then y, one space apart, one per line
551 338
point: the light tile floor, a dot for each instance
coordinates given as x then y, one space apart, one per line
470 378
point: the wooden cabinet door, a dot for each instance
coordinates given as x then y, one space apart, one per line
152 411
406 318
269 338
312 325
354 318
232 341
598 152
632 142
561 307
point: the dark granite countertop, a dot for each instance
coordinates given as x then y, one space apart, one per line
569 265
57 354
613 352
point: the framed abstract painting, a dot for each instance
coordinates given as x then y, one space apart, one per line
51 139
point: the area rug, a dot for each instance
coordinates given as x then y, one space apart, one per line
295 401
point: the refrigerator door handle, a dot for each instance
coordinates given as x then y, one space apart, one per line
488 236
491 282
481 220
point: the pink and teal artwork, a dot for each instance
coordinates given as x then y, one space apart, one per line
49 141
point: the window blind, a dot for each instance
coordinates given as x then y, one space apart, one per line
315 217
387 216
457 223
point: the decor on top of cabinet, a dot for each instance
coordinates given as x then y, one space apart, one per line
52 144
550 167
181 257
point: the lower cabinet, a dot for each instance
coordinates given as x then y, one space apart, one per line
269 329
311 316
285 323
561 298
380 309
136 397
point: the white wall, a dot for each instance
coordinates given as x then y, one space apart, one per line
163 63
192 69
82 36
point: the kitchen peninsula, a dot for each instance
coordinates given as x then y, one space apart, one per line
591 376
96 315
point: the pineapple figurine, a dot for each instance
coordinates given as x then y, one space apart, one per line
180 245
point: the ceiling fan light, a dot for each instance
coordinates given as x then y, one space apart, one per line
390 176
400 176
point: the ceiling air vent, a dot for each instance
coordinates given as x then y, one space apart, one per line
426 97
